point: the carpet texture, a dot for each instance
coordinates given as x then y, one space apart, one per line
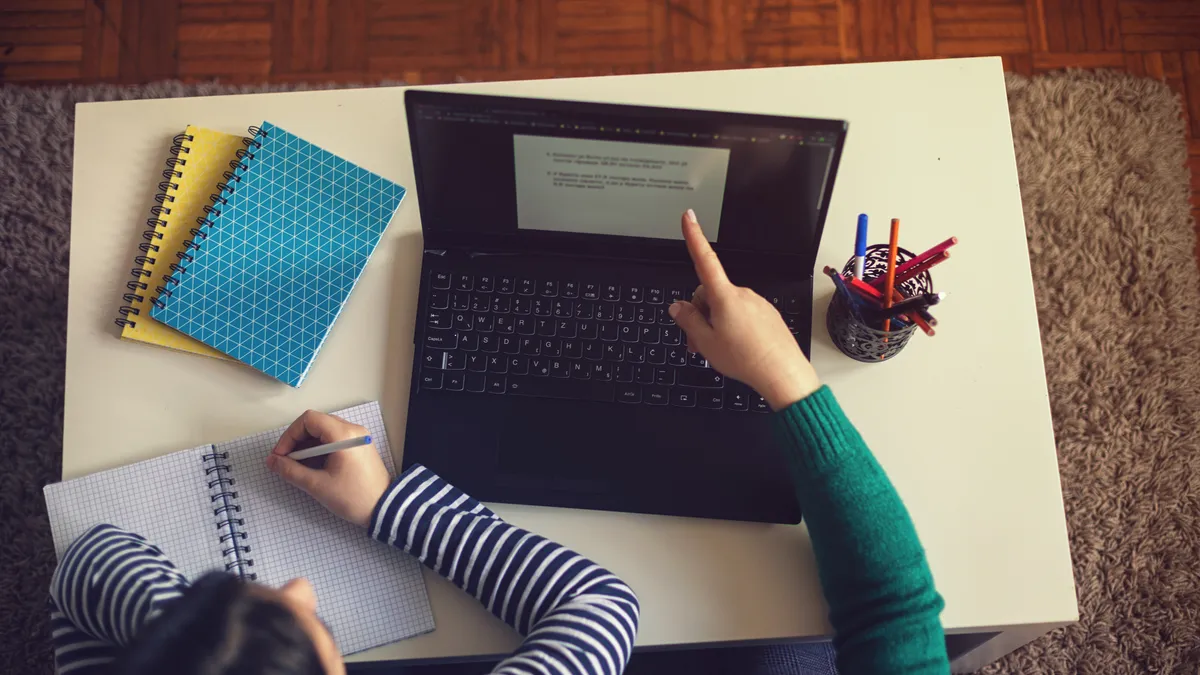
1101 159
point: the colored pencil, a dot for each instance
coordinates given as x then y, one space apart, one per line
921 267
889 283
877 282
869 292
911 305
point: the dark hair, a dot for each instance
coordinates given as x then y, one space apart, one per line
219 626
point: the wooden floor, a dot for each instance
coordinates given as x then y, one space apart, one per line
45 41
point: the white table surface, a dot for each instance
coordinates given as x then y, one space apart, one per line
929 142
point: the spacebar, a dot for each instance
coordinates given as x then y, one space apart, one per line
550 387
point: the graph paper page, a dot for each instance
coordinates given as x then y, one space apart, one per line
369 593
165 500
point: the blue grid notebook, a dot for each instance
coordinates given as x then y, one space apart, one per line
275 260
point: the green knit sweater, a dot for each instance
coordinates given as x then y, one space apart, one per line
882 602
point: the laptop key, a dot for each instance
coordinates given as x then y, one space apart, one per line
624 372
608 332
539 367
648 335
488 342
610 292
525 326
674 294
655 355
439 280
570 289
542 307
480 303
476 363
560 368
683 397
468 342
476 382
454 381
584 310
593 350
737 398
521 305
518 365
485 322
506 285
572 349
509 344
431 379
565 328
437 318
697 361
709 398
613 351
635 353
645 313
628 332
433 358
497 363
664 376
455 361
545 327
654 296
549 289
671 335
590 292
662 317
551 347
588 330
505 324
463 320
460 301
564 309
586 390
501 304
643 374
581 370
677 356
463 282
792 304
701 377
439 300
604 312
485 283
656 395
530 346
758 404
629 393
602 371
633 293
624 313
793 323
441 338
495 384
526 287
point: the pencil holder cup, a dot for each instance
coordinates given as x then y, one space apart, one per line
865 341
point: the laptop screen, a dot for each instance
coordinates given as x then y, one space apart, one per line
537 172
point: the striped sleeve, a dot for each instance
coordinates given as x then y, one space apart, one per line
576 616
108 584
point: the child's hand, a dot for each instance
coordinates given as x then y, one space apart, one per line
350 483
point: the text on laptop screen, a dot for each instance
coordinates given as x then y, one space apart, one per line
516 166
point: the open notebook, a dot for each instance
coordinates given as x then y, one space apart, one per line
369 593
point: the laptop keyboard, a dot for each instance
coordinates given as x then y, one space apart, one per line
572 339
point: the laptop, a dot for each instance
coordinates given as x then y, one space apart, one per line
546 369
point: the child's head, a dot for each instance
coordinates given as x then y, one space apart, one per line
223 625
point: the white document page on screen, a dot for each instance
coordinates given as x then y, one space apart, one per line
616 187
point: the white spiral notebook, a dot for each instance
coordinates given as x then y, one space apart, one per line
217 506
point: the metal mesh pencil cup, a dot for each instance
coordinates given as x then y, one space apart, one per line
858 339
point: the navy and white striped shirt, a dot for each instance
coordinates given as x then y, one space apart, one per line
577 617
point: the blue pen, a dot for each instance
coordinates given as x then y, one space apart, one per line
860 246
847 296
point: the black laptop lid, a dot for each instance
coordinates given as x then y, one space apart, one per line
544 176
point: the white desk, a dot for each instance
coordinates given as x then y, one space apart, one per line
929 142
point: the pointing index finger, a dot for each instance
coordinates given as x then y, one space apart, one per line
708 266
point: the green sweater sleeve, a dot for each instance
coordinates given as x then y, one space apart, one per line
882 602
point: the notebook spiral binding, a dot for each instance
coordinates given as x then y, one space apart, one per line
230 526
137 287
237 168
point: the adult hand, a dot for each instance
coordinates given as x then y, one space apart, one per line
738 331
350 483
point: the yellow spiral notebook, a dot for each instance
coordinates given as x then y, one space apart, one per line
201 159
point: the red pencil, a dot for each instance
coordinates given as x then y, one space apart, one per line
878 282
889 282
920 267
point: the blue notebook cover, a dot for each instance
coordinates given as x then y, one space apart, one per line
280 253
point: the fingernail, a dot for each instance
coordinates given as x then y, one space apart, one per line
673 310
691 215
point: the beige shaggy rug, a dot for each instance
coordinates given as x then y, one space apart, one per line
1101 162
1101 159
